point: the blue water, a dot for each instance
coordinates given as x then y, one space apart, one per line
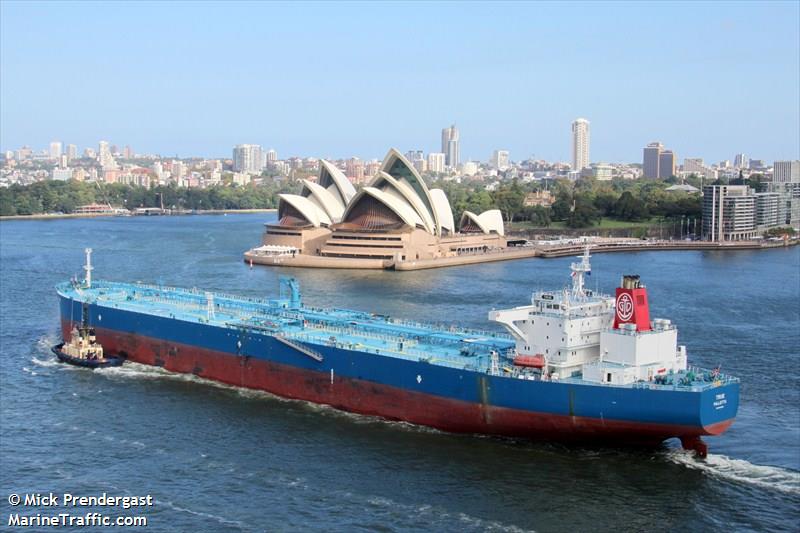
222 459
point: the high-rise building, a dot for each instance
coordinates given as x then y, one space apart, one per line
354 169
178 171
666 164
436 162
580 144
650 159
741 161
695 165
55 150
451 146
247 158
414 155
127 152
729 213
104 156
272 156
72 152
500 159
786 172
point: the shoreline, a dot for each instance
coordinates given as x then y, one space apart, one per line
46 216
543 252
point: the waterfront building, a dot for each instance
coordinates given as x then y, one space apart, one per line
786 181
729 213
436 162
650 159
666 164
770 210
451 146
55 150
395 218
501 159
580 144
247 158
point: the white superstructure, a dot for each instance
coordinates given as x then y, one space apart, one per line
575 333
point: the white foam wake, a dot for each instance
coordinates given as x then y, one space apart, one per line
741 471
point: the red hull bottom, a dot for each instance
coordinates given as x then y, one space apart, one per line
368 398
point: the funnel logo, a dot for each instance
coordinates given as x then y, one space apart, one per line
624 307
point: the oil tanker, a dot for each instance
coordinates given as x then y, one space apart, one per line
574 365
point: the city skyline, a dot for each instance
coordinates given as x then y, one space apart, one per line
183 89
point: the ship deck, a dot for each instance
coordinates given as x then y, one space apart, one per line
447 346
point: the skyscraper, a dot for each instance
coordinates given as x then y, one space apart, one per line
104 156
450 146
72 152
666 164
580 144
741 161
436 162
786 172
55 150
247 158
500 159
650 159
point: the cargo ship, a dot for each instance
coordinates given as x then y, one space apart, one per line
574 365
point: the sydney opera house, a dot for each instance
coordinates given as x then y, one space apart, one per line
394 222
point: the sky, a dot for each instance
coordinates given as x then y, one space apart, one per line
353 79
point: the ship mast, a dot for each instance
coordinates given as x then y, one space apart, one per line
579 270
88 267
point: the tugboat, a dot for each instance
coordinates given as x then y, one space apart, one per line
83 348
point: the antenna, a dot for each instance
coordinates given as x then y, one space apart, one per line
88 267
578 271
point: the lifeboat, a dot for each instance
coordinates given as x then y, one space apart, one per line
531 361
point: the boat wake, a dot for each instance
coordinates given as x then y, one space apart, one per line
741 471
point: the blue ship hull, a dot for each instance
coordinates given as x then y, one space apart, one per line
447 398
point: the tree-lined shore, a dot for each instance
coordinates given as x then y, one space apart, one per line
585 203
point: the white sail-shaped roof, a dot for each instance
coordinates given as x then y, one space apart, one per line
324 199
442 210
400 169
403 190
398 206
334 180
315 215
488 221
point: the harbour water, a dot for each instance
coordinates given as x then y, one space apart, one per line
217 458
